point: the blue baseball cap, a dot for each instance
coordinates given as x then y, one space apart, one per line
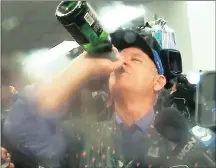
122 39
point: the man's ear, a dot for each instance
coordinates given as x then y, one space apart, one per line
160 82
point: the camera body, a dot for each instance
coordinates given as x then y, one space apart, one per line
172 64
182 96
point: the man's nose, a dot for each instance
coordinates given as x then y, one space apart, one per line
127 64
124 59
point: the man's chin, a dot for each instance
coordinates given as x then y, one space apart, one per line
120 86
120 83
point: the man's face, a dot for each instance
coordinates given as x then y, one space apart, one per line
137 75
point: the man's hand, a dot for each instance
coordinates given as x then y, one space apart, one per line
85 67
6 159
99 66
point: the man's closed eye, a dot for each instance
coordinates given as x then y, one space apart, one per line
136 60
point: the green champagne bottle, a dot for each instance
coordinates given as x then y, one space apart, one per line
80 20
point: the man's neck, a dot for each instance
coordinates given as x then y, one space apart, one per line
132 109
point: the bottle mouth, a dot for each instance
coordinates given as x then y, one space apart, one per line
67 7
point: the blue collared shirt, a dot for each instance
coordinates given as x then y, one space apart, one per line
139 128
41 136
130 141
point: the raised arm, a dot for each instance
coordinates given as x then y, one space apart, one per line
32 125
53 93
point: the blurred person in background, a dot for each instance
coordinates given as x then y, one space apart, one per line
8 94
6 159
135 80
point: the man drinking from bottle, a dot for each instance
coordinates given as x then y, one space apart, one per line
136 78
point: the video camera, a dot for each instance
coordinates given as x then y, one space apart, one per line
182 97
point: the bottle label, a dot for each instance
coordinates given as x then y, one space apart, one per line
89 19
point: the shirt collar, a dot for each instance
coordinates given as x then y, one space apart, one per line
142 123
